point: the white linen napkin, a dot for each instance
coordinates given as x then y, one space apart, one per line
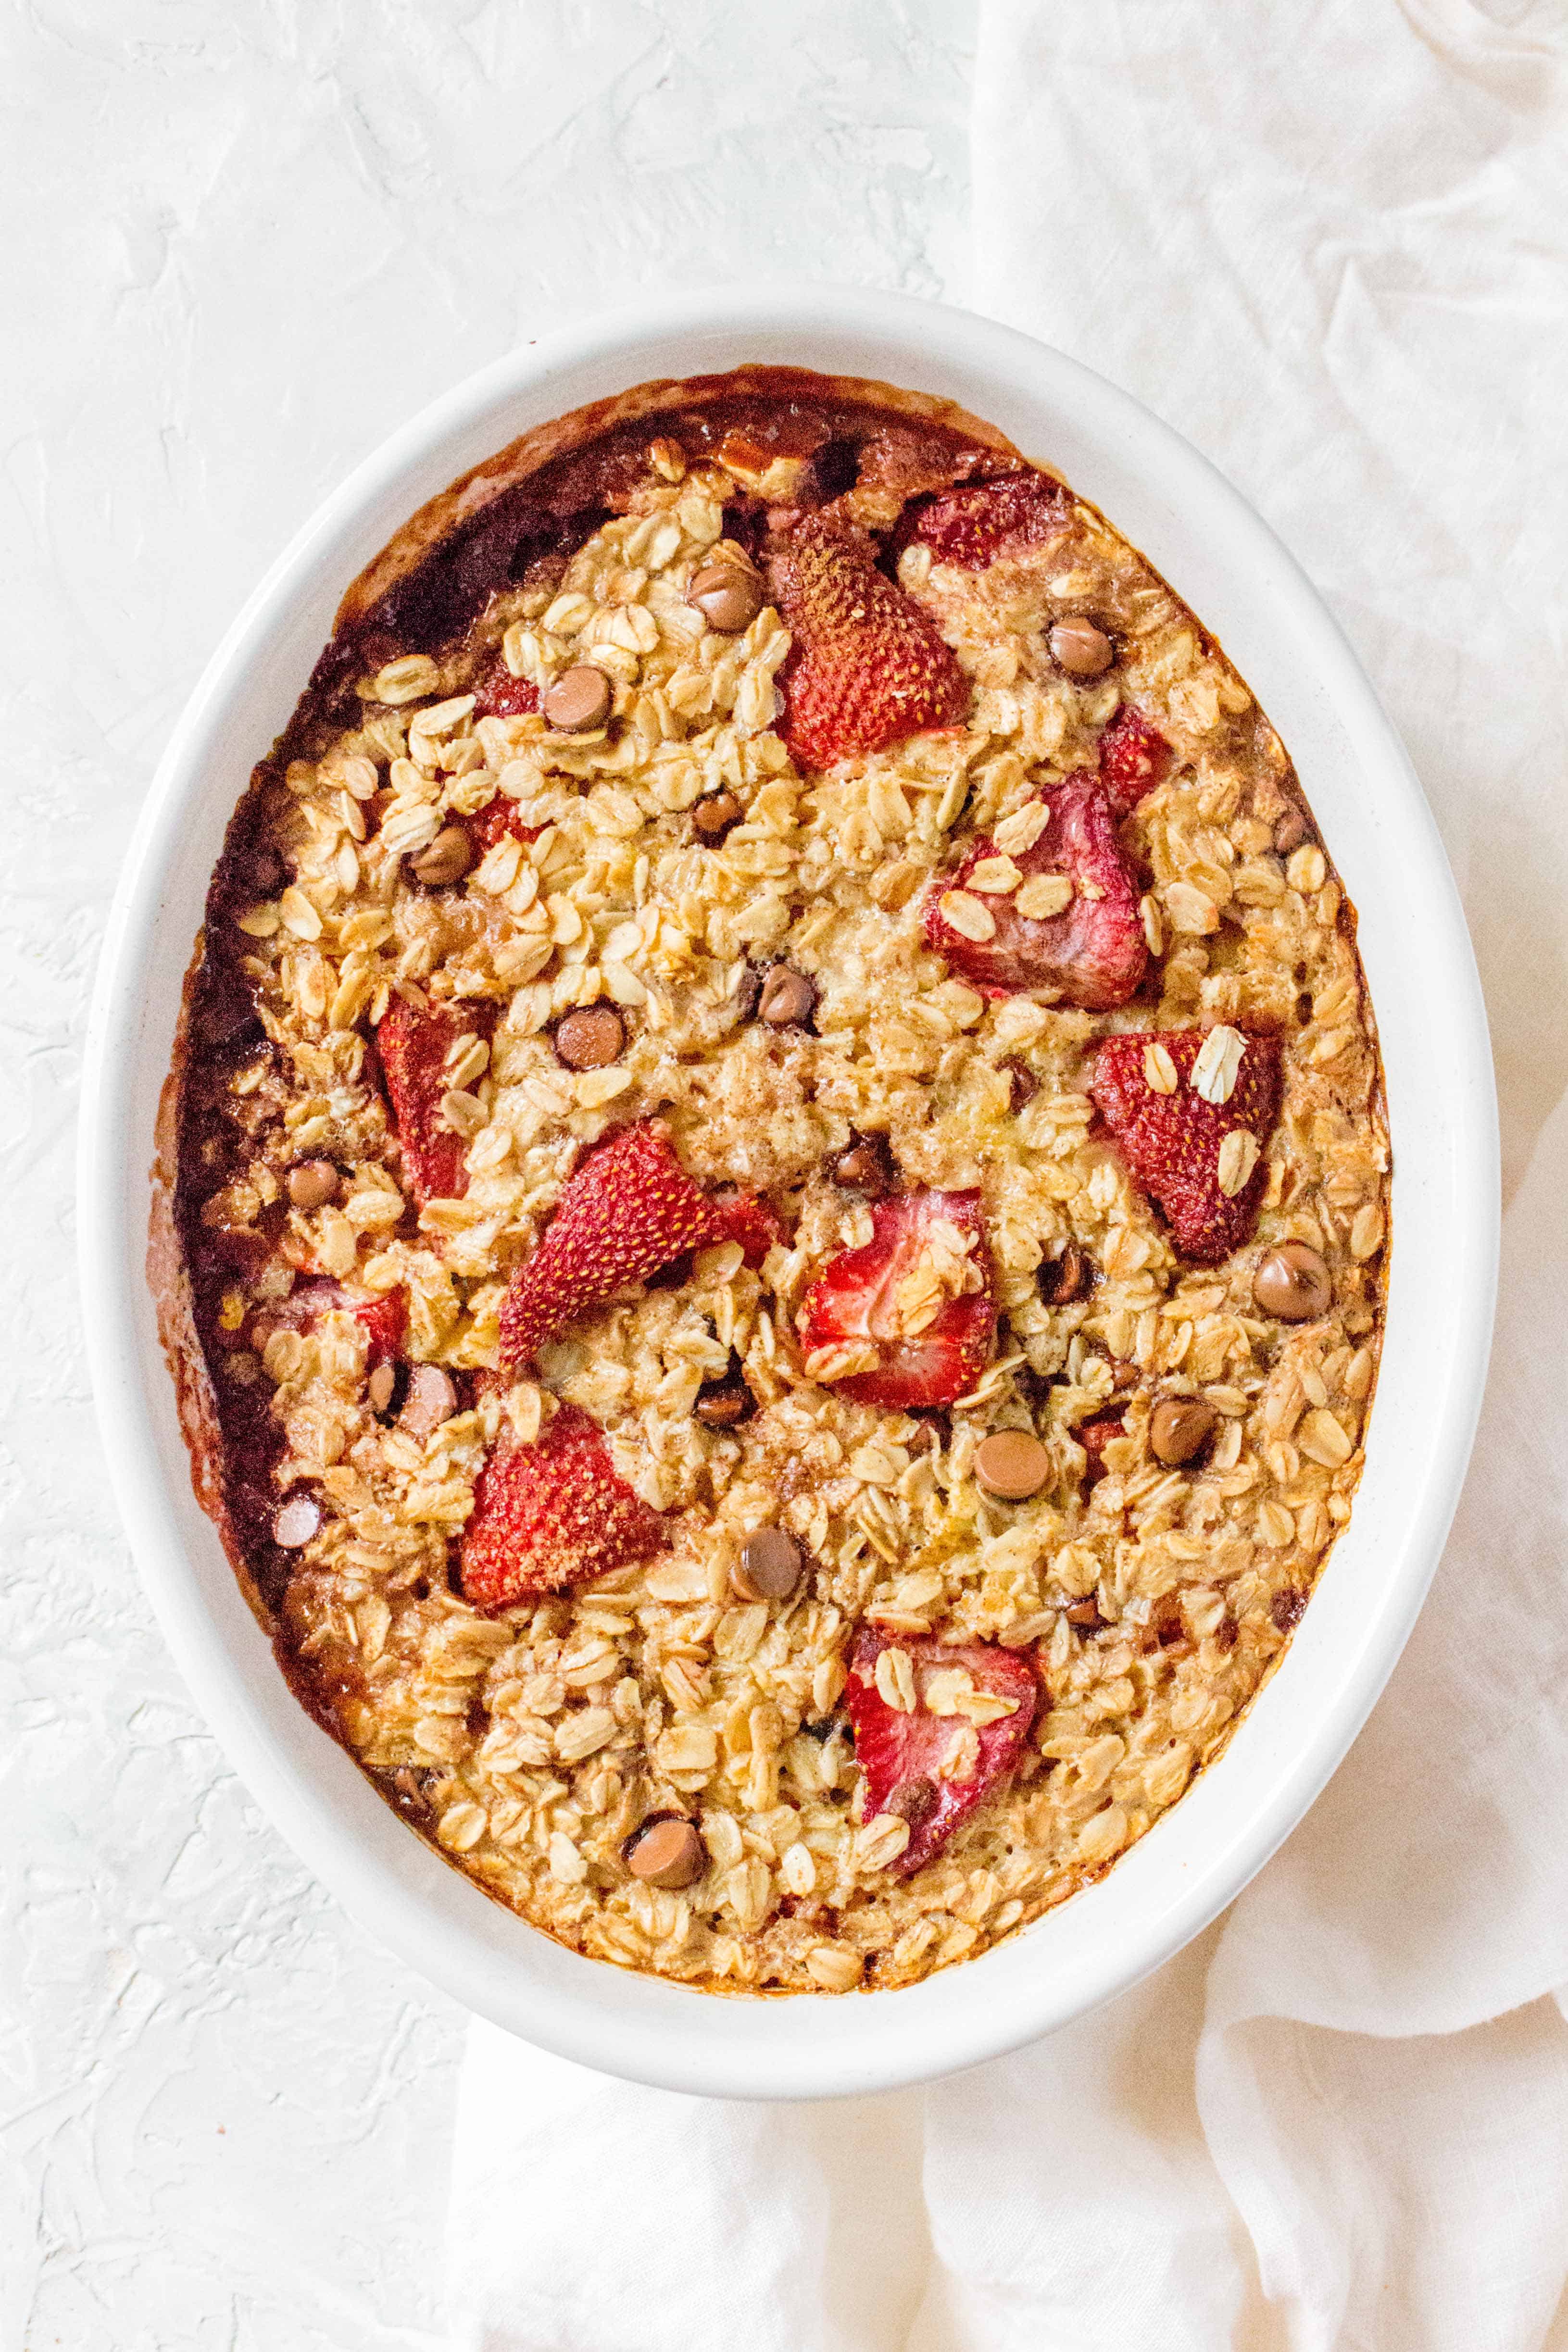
1329 240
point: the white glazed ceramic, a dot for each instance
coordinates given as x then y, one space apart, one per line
1225 562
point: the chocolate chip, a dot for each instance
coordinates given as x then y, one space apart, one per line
1164 1625
1179 1428
1022 1084
295 1522
913 1801
412 1785
1012 1463
1085 1616
1292 831
664 1851
1065 1278
721 1404
1287 1609
728 594
867 1167
1293 1283
591 1038
788 998
578 701
432 1399
380 1386
769 1567
446 859
716 815
1081 649
313 1184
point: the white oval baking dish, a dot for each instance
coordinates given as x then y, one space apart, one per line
1219 556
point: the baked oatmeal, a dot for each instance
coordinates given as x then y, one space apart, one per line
772 1202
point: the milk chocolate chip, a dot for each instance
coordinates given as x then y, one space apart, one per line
443 860
788 998
313 1184
297 1521
1179 1428
1081 649
1012 1463
578 701
716 815
591 1038
1293 1283
1063 1279
728 594
432 1399
666 1851
866 1167
769 1567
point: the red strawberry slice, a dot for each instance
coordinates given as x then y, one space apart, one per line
1172 1142
900 1756
546 1515
971 524
384 1319
867 667
412 1046
749 1218
627 1209
855 1297
499 694
499 817
1133 758
1094 1437
1093 952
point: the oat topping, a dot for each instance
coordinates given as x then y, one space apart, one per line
783 1191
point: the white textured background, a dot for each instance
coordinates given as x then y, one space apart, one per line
241 240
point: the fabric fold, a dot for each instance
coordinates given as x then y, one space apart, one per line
1328 241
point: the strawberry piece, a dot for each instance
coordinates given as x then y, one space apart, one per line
1133 758
384 1319
1171 1144
1094 1437
627 1209
867 667
1093 953
412 1047
749 1218
971 524
499 694
549 1514
856 1297
499 817
902 1755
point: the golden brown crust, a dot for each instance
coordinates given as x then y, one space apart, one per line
466 499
